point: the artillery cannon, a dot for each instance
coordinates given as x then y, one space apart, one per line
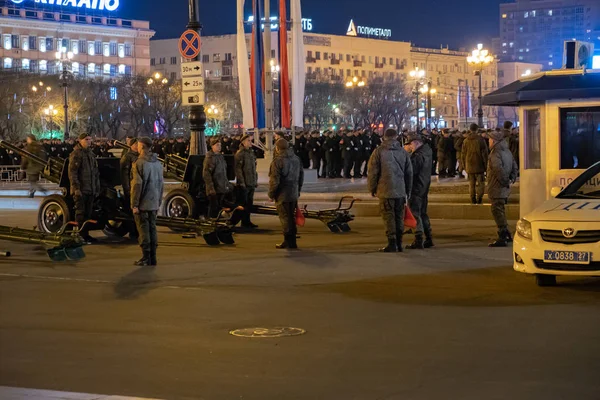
190 200
64 245
111 213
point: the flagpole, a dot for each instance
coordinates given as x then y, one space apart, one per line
268 81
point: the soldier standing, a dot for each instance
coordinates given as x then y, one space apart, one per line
322 140
127 160
390 180
247 178
357 154
474 158
314 150
286 177
146 198
458 144
331 148
33 170
502 170
347 147
421 158
85 182
215 178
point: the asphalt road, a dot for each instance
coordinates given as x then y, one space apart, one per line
451 323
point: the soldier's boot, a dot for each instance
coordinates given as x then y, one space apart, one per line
285 244
500 242
392 246
428 243
292 244
153 261
399 246
507 236
473 200
418 244
144 261
480 200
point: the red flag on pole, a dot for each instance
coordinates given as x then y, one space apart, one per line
284 75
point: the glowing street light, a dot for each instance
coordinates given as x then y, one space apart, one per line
355 82
213 110
480 58
418 75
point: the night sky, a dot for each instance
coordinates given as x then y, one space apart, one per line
428 23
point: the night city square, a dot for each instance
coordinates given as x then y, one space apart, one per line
291 199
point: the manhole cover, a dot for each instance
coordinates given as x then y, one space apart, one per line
267 332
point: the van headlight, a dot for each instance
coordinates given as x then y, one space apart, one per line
524 228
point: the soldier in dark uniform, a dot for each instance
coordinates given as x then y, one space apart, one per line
338 160
286 177
127 160
85 182
390 180
420 158
347 147
246 178
33 170
226 145
314 151
357 154
367 150
180 148
215 178
322 140
331 147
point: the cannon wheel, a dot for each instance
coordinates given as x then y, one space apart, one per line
53 214
179 204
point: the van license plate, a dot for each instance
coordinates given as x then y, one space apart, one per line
569 257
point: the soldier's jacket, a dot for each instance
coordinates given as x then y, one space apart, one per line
474 154
458 143
375 141
314 146
422 163
332 145
215 174
147 183
126 163
286 177
502 170
31 168
347 144
390 171
245 168
83 171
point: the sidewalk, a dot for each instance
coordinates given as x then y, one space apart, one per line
11 393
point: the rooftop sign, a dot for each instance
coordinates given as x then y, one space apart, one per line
101 5
307 24
354 30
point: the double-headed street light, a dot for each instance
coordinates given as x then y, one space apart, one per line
418 75
156 78
355 82
479 59
65 58
50 112
427 90
40 86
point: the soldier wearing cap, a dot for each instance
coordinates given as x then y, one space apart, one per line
146 198
502 170
85 181
246 178
286 177
33 170
314 150
421 159
390 179
215 178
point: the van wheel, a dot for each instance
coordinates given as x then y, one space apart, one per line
543 280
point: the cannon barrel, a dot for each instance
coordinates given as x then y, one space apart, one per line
173 164
53 167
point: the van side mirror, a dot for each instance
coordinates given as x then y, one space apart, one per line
555 191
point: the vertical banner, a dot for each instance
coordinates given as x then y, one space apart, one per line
244 70
298 64
284 71
257 72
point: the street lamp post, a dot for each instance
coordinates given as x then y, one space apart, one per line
50 112
65 58
418 75
427 91
479 59
197 116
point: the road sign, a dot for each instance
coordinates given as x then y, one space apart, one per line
193 99
193 68
192 84
189 44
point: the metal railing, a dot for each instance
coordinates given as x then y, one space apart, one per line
11 175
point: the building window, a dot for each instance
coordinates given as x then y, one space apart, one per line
348 73
173 60
227 56
91 48
91 68
128 50
81 46
226 71
113 94
25 41
207 73
122 69
273 54
121 50
113 49
113 70
106 69
25 64
526 15
7 63
318 55
128 70
579 137
205 58
75 46
533 154
153 61
32 43
75 67
98 48
504 16
550 63
500 74
348 58
6 42
162 60
217 73
173 76
43 65
106 49
325 56
217 57
550 13
50 44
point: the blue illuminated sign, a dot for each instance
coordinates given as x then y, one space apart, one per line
101 5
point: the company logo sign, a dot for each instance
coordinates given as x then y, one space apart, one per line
101 5
354 30
307 24
569 233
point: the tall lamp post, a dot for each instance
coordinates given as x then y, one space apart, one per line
479 59
50 112
65 58
197 116
427 91
418 75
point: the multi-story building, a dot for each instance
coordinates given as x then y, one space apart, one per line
509 72
534 31
340 58
102 46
